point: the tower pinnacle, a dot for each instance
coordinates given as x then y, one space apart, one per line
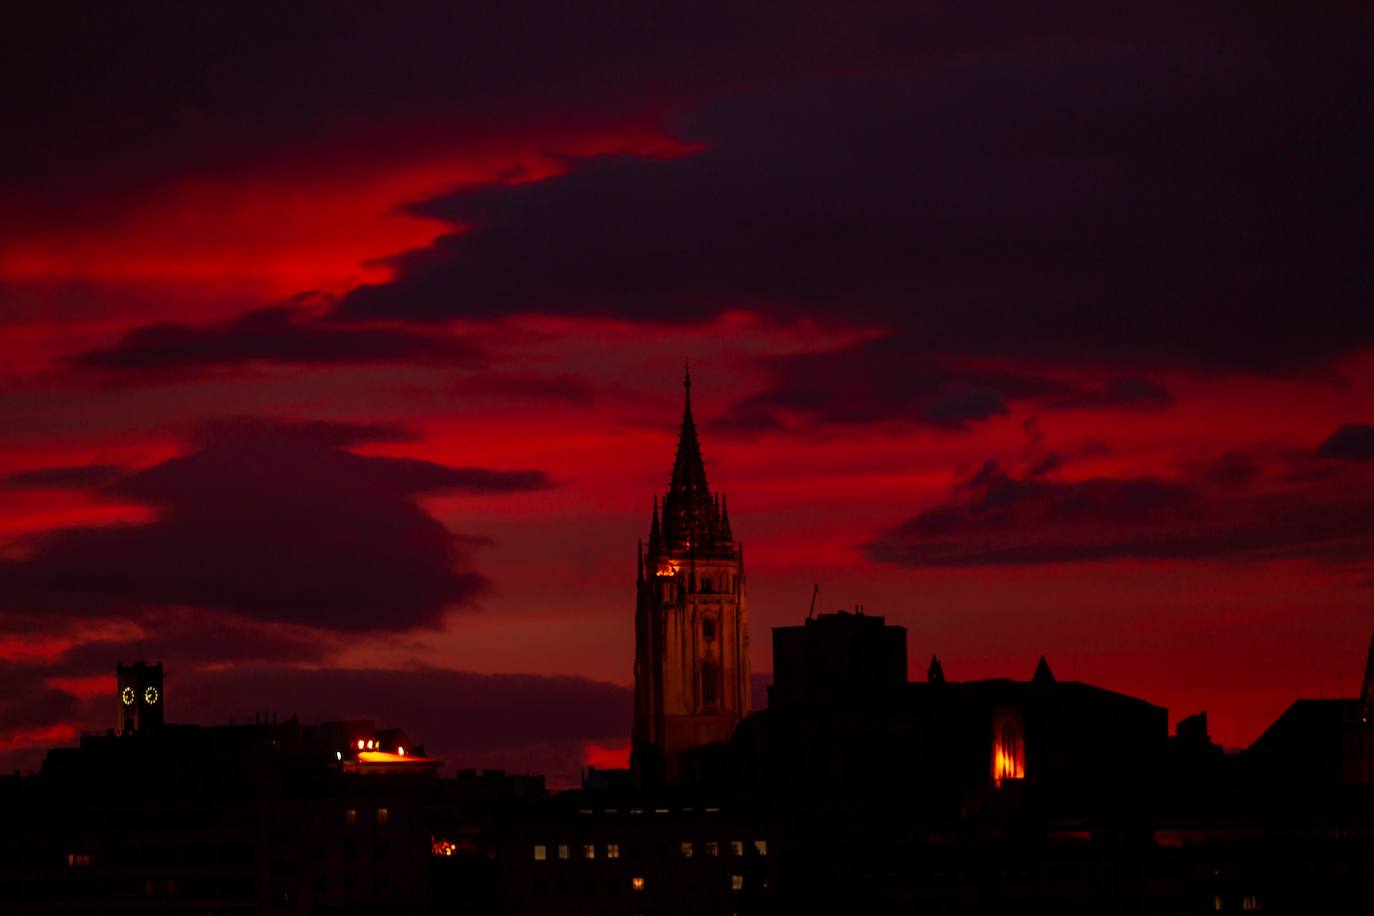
688 507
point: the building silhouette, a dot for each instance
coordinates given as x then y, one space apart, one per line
855 790
691 671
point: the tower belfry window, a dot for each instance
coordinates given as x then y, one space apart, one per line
708 628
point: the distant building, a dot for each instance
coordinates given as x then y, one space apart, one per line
844 721
692 681
839 654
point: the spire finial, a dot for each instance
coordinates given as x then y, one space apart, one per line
687 374
1367 688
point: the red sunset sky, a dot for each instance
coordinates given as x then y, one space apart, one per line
341 348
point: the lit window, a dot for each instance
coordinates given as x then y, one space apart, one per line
361 744
612 850
351 816
1216 903
712 848
400 751
761 847
736 847
78 859
338 755
440 847
540 853
588 851
563 851
383 815
686 850
637 884
737 882
1249 903
1008 748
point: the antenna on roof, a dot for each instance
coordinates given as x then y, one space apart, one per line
815 590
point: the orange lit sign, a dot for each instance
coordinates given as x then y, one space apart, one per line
384 757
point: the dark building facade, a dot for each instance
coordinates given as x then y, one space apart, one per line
843 654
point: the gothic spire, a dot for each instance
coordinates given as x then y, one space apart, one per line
725 533
1043 674
935 674
687 508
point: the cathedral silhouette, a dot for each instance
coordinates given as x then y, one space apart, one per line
691 669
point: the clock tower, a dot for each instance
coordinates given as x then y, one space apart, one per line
138 698
691 620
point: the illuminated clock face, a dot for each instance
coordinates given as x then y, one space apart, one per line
150 695
127 695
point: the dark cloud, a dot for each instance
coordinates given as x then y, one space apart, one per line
76 477
27 702
1154 201
892 379
277 334
167 90
192 639
272 521
1242 506
1353 442
1121 394
560 387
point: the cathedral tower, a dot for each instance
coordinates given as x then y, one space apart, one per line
691 619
